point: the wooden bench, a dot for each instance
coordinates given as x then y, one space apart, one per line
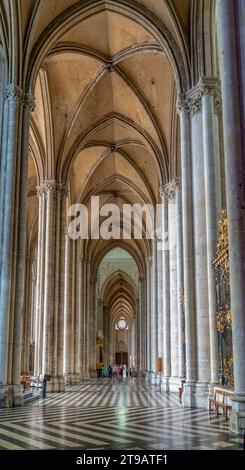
220 401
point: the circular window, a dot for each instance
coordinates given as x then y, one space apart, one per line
122 324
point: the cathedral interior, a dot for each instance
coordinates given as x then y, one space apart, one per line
122 103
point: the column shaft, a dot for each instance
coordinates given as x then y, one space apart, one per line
188 247
210 161
154 307
173 281
180 281
230 44
14 169
148 318
200 250
67 309
166 293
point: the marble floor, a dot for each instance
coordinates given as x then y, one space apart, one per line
119 414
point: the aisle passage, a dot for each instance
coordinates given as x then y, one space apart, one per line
117 414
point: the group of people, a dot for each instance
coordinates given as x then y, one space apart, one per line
117 370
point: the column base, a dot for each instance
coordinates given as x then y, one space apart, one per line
237 417
11 396
154 378
92 373
165 384
84 375
56 384
70 379
149 373
188 396
174 384
196 395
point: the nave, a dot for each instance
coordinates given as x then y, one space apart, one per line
128 414
122 202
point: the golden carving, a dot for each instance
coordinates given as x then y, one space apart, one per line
224 314
224 320
222 252
99 341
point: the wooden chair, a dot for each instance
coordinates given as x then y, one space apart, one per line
219 400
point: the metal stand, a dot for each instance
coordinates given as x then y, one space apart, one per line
243 435
46 378
44 388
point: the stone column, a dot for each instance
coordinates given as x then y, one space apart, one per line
166 293
73 312
40 282
78 317
88 320
170 191
143 329
188 261
105 331
200 248
148 317
93 285
137 322
54 269
235 193
211 103
86 287
180 280
26 313
27 317
14 173
154 307
68 372
82 314
160 302
133 343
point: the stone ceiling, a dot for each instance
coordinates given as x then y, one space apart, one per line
105 120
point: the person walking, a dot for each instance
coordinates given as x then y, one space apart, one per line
110 371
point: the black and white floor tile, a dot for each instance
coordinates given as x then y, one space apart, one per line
120 414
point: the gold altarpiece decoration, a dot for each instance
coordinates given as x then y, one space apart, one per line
224 314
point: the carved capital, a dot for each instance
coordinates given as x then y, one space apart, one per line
62 191
211 87
208 86
50 186
169 190
192 100
15 93
29 102
182 104
41 191
162 191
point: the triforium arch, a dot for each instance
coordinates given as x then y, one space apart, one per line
135 103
